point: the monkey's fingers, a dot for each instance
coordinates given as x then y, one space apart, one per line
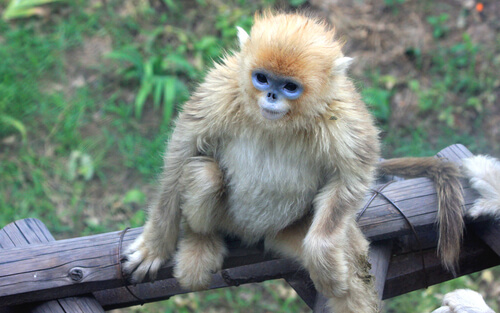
139 262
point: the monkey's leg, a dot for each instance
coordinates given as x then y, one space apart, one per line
201 250
198 257
356 294
158 241
361 295
202 186
333 245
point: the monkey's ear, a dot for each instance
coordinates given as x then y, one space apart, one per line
341 65
242 36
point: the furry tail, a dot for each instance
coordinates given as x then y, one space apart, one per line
484 175
445 176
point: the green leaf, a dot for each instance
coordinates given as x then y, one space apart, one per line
134 196
169 98
379 100
129 54
158 88
296 3
141 97
7 120
178 62
24 8
138 219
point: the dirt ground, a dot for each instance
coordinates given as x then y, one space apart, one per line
385 34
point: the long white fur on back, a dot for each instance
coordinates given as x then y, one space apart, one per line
484 176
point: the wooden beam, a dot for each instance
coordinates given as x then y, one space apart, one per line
304 286
32 231
47 271
406 272
164 289
489 232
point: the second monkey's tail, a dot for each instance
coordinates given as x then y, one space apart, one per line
445 176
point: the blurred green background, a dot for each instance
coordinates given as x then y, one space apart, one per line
88 90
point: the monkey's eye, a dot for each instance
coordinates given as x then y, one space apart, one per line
291 87
291 90
261 78
261 81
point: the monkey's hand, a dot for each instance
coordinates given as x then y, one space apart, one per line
141 259
464 301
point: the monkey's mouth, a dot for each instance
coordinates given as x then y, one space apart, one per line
272 114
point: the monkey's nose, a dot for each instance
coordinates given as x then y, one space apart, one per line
271 97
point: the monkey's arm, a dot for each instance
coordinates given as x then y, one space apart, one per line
157 243
333 238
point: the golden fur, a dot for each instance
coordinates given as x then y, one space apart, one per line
445 176
296 182
484 176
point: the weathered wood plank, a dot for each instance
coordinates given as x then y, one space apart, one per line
380 257
489 232
320 304
32 231
406 272
304 286
418 201
164 289
455 153
37 272
405 275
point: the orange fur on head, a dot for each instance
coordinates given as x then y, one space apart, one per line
298 47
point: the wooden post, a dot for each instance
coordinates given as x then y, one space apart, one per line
380 257
303 285
32 231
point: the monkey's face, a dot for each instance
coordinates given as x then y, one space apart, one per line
290 69
276 91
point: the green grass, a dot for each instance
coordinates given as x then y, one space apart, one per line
446 90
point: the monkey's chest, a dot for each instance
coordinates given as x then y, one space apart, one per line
268 185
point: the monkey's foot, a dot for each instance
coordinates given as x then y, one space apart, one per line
140 261
197 259
463 301
326 265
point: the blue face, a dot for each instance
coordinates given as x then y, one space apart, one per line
276 91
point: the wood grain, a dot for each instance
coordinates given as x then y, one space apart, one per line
31 231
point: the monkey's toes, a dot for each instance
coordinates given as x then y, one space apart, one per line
192 279
137 265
